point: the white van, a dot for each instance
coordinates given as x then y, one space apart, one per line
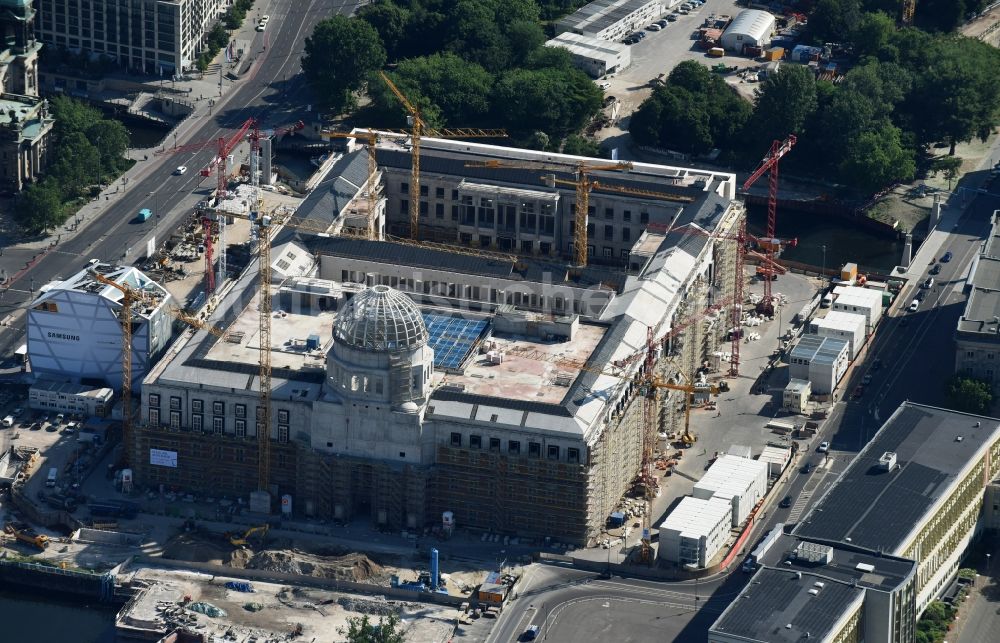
8 421
914 305
51 480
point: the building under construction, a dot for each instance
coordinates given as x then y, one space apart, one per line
409 380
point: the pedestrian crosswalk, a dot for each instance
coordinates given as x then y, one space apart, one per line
799 507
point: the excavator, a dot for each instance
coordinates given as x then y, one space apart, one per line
27 535
243 541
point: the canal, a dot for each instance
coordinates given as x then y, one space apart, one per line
843 241
28 616
142 133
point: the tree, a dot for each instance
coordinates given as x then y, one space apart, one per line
958 96
339 56
873 36
72 115
834 20
392 23
949 166
451 90
217 37
77 164
876 157
39 207
524 39
110 139
580 146
784 103
556 101
939 15
968 395
361 630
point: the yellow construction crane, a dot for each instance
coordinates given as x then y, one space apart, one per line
370 137
418 129
583 184
130 296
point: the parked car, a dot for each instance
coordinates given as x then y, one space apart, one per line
604 85
867 379
914 305
531 633
662 22
936 269
672 18
859 390
786 502
823 447
947 257
928 283
654 27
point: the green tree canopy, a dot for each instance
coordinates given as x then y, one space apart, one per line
693 112
110 139
784 103
449 89
339 56
958 96
877 157
362 630
39 207
834 20
72 115
77 165
968 395
557 101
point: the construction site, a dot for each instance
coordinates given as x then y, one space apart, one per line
506 340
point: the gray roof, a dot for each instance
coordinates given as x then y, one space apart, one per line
527 268
817 349
879 510
983 306
601 14
776 598
325 203
448 162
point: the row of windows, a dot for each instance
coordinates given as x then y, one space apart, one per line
218 407
218 424
553 452
487 203
972 355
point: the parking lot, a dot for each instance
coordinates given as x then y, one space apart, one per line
659 52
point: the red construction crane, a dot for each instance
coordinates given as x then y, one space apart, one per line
770 243
768 266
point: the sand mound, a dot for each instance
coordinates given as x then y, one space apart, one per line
349 567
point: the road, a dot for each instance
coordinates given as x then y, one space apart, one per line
273 91
917 354
573 605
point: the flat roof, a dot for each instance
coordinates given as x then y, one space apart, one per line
695 517
601 14
982 308
731 474
879 510
841 320
798 385
811 597
531 369
857 293
819 349
69 388
588 46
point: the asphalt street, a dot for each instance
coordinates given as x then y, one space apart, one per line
273 91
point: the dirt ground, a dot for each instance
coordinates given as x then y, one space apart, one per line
273 612
911 204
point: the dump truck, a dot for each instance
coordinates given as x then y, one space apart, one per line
27 535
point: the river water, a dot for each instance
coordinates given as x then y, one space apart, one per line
46 619
844 242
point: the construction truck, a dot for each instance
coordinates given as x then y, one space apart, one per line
243 541
26 534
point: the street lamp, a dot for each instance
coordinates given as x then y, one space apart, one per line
987 563
824 261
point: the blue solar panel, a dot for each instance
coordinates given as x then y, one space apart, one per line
453 338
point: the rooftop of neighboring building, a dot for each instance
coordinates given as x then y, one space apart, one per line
441 156
981 319
588 46
601 14
818 349
876 509
811 596
83 282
